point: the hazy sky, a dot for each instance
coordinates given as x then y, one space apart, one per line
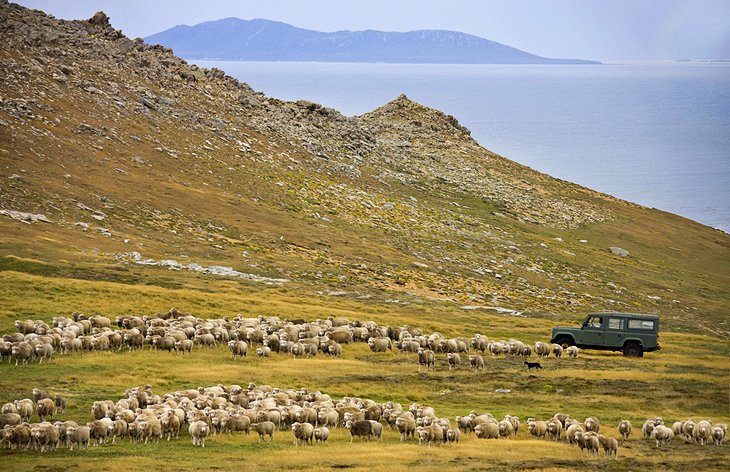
585 29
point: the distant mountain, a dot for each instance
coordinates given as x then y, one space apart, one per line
263 40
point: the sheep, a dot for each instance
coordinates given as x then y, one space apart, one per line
271 415
505 428
303 432
610 446
184 346
677 427
61 403
199 430
98 431
592 443
100 322
264 428
406 425
10 419
426 357
78 436
377 428
63 427
321 434
454 360
24 408
572 351
39 394
479 343
591 424
542 349
25 326
341 335
476 361
554 428
44 435
134 341
537 428
453 435
647 428
624 429
101 409
571 432
238 348
687 429
432 434
9 408
379 344
328 417
239 422
515 420
264 351
119 428
362 428
150 428
464 423
45 408
718 433
171 425
22 352
18 436
489 430
702 432
662 435
206 340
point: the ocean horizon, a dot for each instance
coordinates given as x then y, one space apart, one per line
656 133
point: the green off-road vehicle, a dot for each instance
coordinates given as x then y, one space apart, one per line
634 334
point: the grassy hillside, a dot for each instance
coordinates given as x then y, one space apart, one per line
396 216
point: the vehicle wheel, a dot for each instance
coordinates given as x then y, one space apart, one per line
565 342
633 350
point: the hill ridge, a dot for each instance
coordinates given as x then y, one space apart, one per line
266 40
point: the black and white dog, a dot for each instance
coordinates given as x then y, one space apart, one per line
533 365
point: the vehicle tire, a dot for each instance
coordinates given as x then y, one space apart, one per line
633 350
565 342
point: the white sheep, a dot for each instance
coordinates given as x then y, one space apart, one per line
624 429
702 432
199 430
662 435
718 433
454 360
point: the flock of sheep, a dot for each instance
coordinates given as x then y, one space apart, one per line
178 332
143 416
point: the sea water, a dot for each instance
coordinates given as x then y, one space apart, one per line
657 134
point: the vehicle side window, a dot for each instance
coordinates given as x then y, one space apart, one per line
594 322
615 323
644 325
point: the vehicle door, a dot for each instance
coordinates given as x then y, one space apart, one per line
615 331
591 333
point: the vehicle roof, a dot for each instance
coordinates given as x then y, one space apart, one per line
625 315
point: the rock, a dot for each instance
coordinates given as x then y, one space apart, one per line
25 217
99 19
421 265
82 225
618 251
16 177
